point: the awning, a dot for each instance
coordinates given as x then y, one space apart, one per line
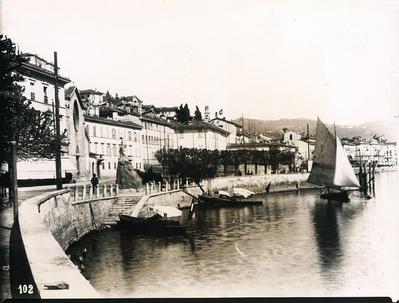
43 168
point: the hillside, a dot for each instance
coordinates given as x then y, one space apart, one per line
388 128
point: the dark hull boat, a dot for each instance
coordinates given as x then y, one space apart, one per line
331 166
341 196
217 201
153 225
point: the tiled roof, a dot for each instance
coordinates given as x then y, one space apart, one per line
91 91
155 120
113 122
227 121
199 125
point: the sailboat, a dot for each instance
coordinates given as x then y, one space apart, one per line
331 166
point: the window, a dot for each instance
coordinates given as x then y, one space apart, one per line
142 138
45 94
94 132
135 137
109 165
114 165
103 165
32 96
108 150
129 136
114 150
290 136
113 133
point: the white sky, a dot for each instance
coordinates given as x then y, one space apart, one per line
264 59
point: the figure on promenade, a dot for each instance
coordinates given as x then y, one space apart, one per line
126 176
94 182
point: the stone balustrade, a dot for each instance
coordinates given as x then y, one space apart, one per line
82 193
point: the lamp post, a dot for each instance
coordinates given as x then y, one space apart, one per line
14 179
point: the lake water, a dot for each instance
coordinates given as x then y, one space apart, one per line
292 245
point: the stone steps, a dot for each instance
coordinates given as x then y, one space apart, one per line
123 205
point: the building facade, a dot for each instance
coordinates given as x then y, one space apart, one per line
201 135
383 153
156 134
106 136
231 127
39 88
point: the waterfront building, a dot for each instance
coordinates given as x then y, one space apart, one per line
360 150
39 85
305 150
156 134
233 128
39 88
201 135
105 136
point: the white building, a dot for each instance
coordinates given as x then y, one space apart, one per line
105 138
199 134
384 153
305 150
92 99
233 128
39 88
156 134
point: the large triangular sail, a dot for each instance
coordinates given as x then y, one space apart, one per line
323 167
331 166
344 174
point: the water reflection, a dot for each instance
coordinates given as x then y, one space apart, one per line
293 244
327 236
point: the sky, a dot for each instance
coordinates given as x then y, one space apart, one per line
261 59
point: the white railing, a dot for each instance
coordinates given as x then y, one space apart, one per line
88 192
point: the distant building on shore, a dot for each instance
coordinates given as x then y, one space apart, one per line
380 151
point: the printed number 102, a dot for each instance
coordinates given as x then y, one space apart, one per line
25 289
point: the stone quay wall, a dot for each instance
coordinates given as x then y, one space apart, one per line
70 220
258 183
48 224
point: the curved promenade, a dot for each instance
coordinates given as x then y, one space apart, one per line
50 222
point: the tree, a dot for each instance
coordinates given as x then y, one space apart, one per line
109 99
31 129
197 114
183 114
184 163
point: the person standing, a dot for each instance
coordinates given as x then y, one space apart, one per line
94 182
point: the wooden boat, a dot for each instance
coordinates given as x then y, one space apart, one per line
223 201
155 224
331 166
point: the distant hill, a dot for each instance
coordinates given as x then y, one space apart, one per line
388 129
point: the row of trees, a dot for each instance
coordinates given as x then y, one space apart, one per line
200 164
183 114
